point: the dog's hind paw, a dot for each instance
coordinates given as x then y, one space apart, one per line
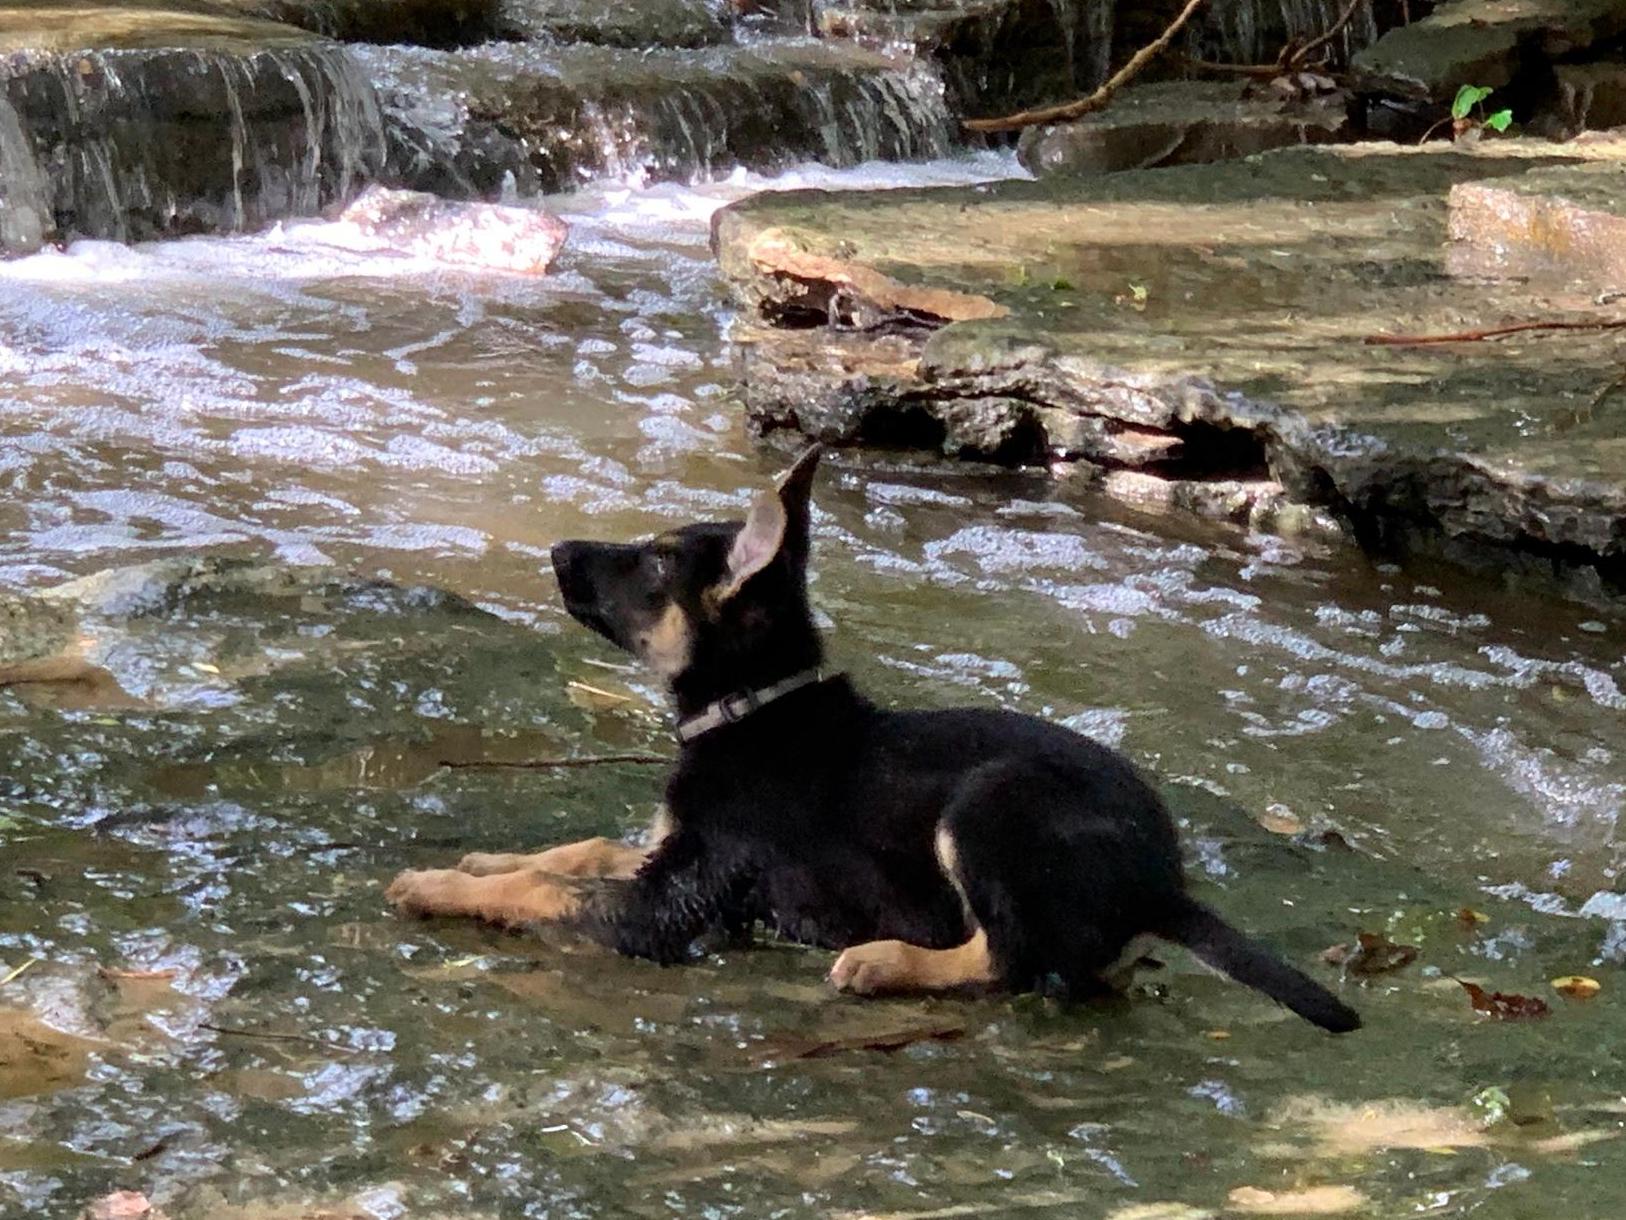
884 967
874 969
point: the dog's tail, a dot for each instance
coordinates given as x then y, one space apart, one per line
1247 961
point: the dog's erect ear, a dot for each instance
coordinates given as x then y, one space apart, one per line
778 522
796 484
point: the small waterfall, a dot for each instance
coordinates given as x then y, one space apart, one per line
579 113
133 144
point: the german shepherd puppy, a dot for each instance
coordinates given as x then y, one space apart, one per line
936 849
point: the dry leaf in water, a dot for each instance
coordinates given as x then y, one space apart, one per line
1577 986
1502 1005
1279 819
1372 953
1470 919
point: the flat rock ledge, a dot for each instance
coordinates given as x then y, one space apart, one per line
1197 337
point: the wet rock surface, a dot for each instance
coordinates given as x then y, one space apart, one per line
1225 307
579 112
1485 43
636 23
995 55
1180 123
1564 224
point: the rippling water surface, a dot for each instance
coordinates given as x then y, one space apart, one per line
215 1009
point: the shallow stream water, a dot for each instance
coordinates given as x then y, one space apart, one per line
206 1000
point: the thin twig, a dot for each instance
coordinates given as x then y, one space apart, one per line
599 691
234 1032
1102 96
548 764
1300 56
1494 332
18 972
1605 391
1255 71
1429 134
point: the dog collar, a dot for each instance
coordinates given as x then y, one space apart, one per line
741 704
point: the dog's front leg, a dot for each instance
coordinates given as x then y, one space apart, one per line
605 858
679 894
600 857
509 900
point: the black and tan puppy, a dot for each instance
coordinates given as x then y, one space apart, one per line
935 849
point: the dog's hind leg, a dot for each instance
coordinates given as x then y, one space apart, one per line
891 966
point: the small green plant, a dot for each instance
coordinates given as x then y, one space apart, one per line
1468 111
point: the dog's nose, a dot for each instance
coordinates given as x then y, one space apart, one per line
563 555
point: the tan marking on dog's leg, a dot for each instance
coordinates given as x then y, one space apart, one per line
506 899
667 645
884 967
590 858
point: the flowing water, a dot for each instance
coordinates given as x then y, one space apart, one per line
133 144
205 1000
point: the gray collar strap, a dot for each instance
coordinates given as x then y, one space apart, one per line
741 704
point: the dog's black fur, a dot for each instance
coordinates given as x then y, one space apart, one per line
837 823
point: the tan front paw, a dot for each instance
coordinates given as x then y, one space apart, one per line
873 969
423 891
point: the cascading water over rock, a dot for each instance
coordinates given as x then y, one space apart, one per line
132 143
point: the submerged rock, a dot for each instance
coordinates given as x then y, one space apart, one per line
1201 325
139 123
1180 123
484 235
39 641
1566 223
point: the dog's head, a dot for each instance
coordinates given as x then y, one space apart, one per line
714 607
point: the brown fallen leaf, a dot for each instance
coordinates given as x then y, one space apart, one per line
1577 986
1372 953
1279 819
117 973
778 1049
1470 919
1503 1005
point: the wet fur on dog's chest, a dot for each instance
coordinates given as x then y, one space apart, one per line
790 801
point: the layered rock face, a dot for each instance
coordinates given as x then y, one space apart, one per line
1230 338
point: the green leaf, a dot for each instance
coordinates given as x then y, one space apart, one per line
1500 121
1467 98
